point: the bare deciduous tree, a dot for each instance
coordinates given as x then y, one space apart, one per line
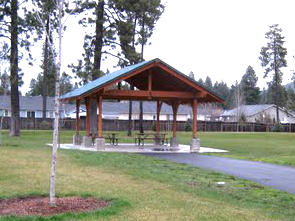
60 9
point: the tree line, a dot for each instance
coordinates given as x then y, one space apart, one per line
245 91
120 29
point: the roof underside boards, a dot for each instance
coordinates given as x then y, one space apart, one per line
164 78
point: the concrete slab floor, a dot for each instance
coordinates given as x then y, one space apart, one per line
147 148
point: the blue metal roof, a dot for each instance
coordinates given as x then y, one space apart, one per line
99 82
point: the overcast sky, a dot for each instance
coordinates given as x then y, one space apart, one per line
212 38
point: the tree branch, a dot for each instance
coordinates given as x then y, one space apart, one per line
116 56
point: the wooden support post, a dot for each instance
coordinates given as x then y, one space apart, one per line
87 102
99 108
159 105
175 106
195 126
77 117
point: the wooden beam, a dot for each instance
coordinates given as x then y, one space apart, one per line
129 94
187 81
77 117
150 81
195 125
159 105
87 102
123 78
175 106
99 108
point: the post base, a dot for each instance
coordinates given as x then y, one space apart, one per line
77 139
87 141
100 143
157 141
174 142
195 145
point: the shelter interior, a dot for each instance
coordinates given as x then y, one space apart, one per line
149 80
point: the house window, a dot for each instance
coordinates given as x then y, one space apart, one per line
6 113
30 114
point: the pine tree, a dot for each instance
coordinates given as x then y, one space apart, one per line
273 59
248 86
14 34
208 82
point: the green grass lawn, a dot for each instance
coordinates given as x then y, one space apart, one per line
278 148
140 187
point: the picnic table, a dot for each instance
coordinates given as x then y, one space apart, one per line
141 137
112 137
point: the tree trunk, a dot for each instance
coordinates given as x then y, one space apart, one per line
130 116
276 83
56 107
45 68
96 73
141 117
14 97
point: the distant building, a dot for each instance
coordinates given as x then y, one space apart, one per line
263 113
120 111
31 107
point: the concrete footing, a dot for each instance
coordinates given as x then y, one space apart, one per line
77 139
195 145
174 142
157 141
99 143
87 141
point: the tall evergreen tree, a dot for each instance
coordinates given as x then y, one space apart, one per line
48 17
273 59
101 15
223 90
249 87
14 32
4 84
208 82
136 26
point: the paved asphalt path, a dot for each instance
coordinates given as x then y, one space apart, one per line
275 176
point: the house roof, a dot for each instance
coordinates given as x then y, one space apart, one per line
249 110
164 80
148 107
27 103
34 103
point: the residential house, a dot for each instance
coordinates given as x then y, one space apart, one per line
263 113
30 107
120 111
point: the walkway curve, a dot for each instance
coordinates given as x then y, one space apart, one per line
275 176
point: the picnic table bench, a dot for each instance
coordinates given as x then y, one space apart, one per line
112 137
141 137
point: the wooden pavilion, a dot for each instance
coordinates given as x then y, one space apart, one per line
153 80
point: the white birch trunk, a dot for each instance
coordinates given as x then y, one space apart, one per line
60 4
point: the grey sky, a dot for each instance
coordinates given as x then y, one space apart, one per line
215 38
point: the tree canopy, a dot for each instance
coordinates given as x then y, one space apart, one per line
272 57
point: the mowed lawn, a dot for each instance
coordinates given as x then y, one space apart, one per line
140 187
277 148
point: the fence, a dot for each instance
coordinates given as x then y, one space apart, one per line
122 125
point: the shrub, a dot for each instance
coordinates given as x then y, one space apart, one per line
277 128
188 126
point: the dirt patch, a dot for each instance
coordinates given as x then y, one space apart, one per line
39 206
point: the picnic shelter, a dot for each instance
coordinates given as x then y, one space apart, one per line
152 80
